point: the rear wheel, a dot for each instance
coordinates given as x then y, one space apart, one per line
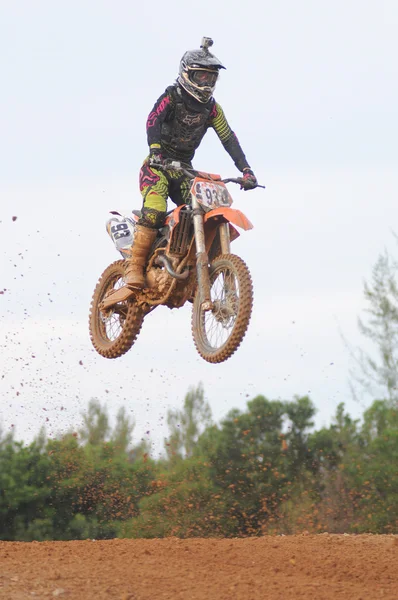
114 330
217 333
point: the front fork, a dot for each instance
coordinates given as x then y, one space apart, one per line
225 238
202 260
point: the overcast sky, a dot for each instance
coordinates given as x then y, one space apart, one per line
311 90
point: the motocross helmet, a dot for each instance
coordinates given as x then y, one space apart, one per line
198 72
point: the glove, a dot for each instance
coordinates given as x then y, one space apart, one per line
155 156
249 180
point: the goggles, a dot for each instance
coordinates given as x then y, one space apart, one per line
204 77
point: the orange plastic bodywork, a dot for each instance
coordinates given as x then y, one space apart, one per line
174 217
232 215
206 176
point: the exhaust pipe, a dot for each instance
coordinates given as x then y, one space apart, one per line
163 260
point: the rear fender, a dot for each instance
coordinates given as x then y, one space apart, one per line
135 215
121 227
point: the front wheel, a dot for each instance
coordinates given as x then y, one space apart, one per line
114 330
217 333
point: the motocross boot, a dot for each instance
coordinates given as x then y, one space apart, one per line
134 270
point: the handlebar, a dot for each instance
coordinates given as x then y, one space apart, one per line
187 170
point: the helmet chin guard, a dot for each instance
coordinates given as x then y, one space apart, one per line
198 72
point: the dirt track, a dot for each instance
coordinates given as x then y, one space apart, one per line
306 566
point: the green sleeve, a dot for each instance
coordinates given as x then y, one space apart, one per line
227 137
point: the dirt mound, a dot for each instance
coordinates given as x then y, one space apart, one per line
303 566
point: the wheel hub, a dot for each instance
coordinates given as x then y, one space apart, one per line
224 310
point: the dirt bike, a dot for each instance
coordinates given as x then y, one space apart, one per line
190 260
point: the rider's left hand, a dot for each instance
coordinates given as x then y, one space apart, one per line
249 180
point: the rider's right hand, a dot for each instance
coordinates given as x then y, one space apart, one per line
155 156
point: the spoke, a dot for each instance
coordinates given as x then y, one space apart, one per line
219 323
112 326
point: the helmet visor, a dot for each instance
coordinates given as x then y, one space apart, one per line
204 77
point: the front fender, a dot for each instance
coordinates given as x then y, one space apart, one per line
232 215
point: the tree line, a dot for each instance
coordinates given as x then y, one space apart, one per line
262 470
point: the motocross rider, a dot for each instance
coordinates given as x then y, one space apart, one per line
175 127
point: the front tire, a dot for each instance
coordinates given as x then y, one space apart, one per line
218 333
115 330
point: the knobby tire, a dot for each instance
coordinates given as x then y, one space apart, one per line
132 315
235 265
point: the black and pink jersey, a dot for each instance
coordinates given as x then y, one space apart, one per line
178 123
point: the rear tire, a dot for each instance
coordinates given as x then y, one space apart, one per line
113 332
219 332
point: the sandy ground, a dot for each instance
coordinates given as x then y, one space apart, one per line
303 566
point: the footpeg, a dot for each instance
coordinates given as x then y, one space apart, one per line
120 295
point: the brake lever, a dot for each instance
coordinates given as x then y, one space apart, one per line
240 181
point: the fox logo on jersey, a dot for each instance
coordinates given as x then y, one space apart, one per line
191 120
